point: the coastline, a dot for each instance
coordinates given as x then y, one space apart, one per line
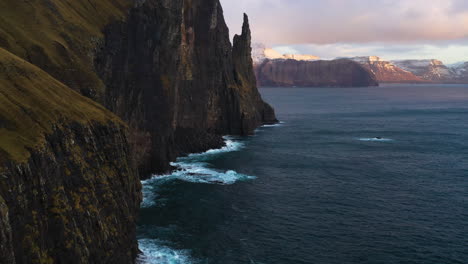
192 168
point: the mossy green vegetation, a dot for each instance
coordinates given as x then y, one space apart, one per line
60 36
66 172
32 103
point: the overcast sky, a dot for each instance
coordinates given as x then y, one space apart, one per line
392 29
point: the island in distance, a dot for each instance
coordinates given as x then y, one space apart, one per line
291 70
321 73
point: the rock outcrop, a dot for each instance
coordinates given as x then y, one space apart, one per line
386 72
336 73
69 192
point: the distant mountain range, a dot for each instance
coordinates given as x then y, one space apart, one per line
385 71
290 70
414 71
398 71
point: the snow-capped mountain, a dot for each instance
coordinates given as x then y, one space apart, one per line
260 53
300 57
456 64
460 72
404 71
385 71
430 70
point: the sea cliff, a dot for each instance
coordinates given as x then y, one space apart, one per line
95 96
69 192
179 84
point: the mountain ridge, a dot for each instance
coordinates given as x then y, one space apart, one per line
387 72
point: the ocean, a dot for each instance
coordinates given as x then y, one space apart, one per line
350 175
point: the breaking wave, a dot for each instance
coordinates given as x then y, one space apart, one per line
195 169
231 146
154 252
274 125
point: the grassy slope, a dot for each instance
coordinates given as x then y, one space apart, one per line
59 37
32 103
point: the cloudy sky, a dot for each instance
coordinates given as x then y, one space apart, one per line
392 29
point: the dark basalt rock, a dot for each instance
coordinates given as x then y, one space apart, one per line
336 73
69 190
74 201
172 74
6 243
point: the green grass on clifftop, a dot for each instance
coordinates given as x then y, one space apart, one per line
60 36
32 103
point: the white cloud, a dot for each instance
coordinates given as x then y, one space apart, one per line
447 53
436 26
331 21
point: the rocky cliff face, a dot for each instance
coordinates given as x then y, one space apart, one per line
69 192
387 72
337 73
172 74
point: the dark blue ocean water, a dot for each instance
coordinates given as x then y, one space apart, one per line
320 188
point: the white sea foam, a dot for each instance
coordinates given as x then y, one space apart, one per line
195 172
274 125
154 252
149 194
376 139
231 146
195 169
201 173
